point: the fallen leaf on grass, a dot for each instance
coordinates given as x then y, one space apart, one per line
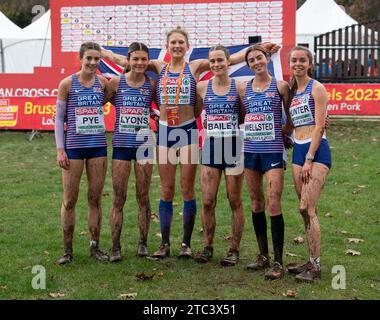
152 258
143 276
352 252
56 295
227 238
289 254
290 294
298 240
124 296
354 240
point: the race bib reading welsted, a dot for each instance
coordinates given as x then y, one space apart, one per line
259 127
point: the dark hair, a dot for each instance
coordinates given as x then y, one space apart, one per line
221 48
179 30
293 82
133 47
254 48
88 46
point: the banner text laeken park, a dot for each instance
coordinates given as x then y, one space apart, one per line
27 101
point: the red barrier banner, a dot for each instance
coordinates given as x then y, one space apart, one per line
353 99
37 113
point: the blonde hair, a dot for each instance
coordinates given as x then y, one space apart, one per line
179 30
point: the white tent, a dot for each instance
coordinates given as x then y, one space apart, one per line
316 17
7 29
29 47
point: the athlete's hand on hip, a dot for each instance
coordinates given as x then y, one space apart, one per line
62 159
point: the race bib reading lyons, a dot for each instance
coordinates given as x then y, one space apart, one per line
300 111
89 120
171 91
222 125
259 127
132 120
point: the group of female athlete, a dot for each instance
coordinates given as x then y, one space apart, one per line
245 128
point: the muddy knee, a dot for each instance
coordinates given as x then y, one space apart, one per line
209 204
119 201
69 205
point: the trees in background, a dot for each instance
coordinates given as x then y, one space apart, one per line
360 10
21 11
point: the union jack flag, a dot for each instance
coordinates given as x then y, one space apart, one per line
239 71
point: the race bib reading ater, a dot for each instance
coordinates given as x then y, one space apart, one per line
222 125
89 120
300 111
259 127
132 120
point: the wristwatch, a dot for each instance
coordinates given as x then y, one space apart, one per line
309 157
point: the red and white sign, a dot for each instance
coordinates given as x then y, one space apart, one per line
354 99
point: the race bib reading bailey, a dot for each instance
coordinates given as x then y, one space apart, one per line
89 120
132 120
300 111
171 90
259 127
222 125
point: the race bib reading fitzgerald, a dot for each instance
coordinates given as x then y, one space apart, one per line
171 91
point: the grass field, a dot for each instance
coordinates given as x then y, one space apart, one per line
30 231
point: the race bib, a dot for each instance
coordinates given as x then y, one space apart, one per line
89 120
173 116
259 127
222 125
171 91
132 120
300 111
